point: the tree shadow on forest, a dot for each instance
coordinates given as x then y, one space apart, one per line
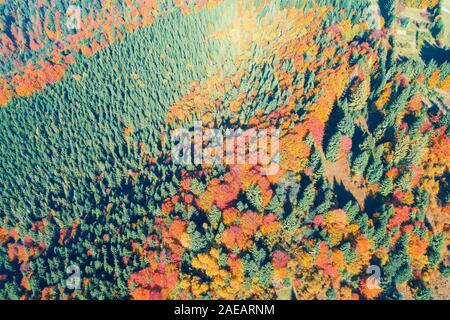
431 52
374 118
342 194
335 117
372 204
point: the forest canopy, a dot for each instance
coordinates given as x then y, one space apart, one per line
92 205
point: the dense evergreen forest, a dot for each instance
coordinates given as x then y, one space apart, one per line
93 207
